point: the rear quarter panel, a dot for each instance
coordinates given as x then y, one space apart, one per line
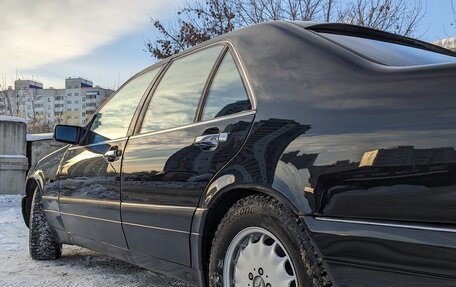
340 137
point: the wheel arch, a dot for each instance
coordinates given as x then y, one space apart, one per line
30 186
216 197
214 209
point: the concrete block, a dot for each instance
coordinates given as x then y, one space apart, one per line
13 160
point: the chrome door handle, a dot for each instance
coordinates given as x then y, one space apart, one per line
112 155
210 142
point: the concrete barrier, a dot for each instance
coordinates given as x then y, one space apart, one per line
13 160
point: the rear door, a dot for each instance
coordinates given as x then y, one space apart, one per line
90 172
197 118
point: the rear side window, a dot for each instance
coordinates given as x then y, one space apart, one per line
227 94
177 96
113 119
388 53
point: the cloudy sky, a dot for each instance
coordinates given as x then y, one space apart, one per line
103 40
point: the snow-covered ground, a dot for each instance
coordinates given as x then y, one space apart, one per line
77 267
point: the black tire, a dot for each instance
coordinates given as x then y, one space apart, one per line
267 213
42 243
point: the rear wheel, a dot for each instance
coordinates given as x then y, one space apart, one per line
42 243
259 243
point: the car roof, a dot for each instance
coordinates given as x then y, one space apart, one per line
336 28
284 58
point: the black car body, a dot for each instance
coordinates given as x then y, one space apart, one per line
352 130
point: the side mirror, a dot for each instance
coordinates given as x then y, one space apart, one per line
67 134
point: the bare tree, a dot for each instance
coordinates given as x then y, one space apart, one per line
250 12
453 9
37 119
60 117
33 121
396 16
196 23
5 98
16 99
202 20
16 102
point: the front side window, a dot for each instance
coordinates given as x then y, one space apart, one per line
113 119
227 93
176 98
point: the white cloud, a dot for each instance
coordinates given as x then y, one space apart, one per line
35 34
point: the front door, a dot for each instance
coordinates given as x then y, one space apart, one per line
90 172
168 164
90 193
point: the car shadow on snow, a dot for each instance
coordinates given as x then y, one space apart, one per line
92 262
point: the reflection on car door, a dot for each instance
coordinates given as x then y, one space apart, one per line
167 166
90 172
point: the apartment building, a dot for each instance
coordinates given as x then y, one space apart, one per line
73 104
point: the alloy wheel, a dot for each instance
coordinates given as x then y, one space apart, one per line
256 258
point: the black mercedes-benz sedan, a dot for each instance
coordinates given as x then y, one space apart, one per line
286 154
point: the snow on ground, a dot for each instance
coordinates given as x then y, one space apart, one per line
77 267
12 119
39 137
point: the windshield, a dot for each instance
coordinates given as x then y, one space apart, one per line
390 54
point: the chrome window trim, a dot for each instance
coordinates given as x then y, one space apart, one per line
384 224
160 65
156 206
195 124
155 227
83 216
164 65
49 197
243 74
68 199
151 94
116 222
73 147
241 71
237 59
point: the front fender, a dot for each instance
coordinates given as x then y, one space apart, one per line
44 176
